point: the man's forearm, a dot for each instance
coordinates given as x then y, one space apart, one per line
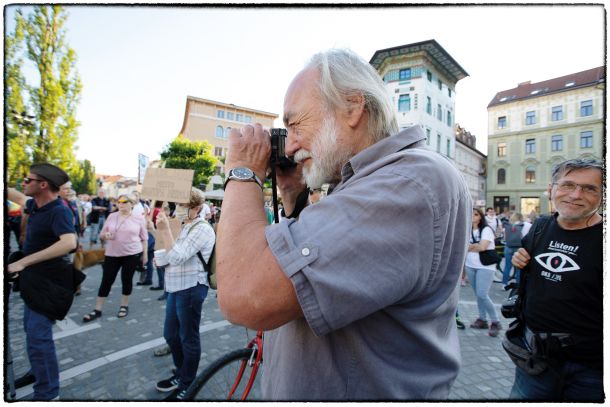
65 245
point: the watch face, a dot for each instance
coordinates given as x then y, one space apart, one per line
242 173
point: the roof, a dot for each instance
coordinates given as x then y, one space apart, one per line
527 90
444 62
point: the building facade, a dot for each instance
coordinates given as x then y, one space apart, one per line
536 125
420 79
211 121
472 164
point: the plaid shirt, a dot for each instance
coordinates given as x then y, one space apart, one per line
185 269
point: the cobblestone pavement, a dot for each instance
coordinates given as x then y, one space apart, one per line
112 358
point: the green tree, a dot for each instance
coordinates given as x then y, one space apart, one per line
41 111
191 155
83 179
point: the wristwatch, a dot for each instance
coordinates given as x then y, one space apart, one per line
243 174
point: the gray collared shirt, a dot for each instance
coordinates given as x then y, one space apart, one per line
375 267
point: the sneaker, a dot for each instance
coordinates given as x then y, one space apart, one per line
479 324
162 351
459 323
176 395
167 384
155 288
495 329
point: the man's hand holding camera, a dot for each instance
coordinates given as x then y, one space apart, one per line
249 147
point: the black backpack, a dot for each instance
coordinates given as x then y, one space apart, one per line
512 235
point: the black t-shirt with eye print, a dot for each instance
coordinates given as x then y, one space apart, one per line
564 291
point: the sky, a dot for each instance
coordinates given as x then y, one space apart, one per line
138 64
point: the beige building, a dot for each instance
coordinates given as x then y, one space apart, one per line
212 121
471 163
536 125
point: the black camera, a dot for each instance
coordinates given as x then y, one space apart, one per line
509 307
278 149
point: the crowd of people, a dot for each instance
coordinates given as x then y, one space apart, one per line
358 292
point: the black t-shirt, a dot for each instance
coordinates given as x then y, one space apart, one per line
564 288
95 213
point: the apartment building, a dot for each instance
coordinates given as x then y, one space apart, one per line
421 79
536 125
472 164
211 121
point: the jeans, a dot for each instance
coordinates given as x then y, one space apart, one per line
95 229
481 280
161 276
41 353
181 331
508 255
568 381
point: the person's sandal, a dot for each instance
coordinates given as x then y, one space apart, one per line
123 311
95 314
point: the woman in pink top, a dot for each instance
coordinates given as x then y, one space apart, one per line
126 240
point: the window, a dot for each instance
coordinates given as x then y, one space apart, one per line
449 91
230 115
586 139
220 114
530 175
501 122
557 142
404 103
440 84
501 176
428 136
501 149
405 74
530 117
586 108
439 113
438 142
429 105
239 117
448 147
219 131
248 119
530 146
429 74
448 118
557 113
218 151
227 131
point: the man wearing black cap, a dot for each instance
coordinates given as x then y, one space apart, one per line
45 272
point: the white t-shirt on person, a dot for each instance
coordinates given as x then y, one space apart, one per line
472 258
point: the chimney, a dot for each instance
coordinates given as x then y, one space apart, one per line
524 83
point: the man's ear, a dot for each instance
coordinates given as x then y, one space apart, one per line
355 109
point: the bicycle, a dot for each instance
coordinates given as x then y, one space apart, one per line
232 375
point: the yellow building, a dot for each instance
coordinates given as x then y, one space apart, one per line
212 121
536 125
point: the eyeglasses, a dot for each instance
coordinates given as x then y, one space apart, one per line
568 186
27 180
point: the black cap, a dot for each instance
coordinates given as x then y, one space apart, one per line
51 173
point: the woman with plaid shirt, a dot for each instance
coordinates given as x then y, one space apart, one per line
186 285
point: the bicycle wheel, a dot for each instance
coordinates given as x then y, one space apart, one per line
216 381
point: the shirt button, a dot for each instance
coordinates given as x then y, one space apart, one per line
305 252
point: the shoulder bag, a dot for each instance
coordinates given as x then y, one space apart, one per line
487 257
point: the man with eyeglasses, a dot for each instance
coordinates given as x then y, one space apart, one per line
563 309
46 279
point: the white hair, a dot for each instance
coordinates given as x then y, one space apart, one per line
342 74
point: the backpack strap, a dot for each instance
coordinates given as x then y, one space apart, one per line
206 266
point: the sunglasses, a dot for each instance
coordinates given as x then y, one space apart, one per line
122 201
27 180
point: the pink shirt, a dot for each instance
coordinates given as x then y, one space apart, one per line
129 233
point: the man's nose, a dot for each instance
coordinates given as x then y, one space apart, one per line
292 144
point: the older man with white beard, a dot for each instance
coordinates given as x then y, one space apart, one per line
358 294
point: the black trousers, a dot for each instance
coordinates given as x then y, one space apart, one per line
111 267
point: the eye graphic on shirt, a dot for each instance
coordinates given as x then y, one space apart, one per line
556 262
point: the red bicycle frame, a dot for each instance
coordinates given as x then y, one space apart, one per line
256 344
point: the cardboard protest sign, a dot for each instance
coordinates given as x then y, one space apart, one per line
167 184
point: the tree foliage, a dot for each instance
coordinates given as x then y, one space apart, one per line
191 155
83 178
40 111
